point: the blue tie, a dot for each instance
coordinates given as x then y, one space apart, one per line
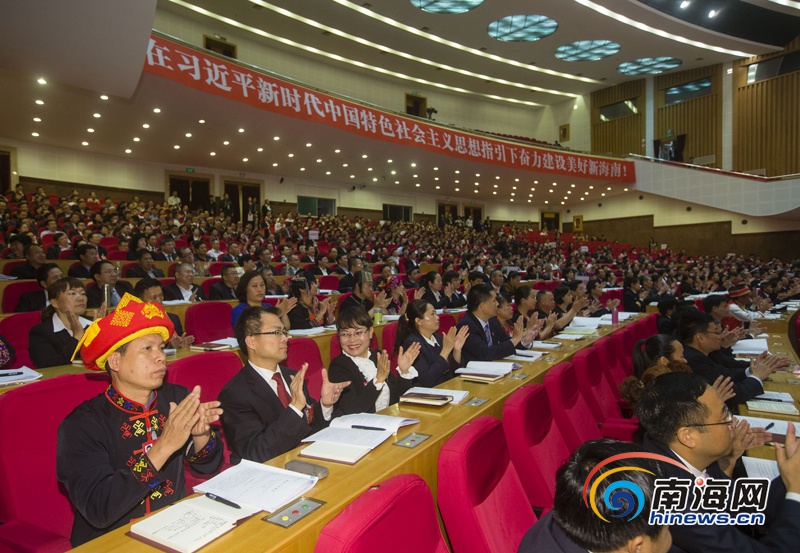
488 334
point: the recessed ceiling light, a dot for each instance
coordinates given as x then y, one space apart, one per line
244 159
435 178
435 168
581 198
308 144
156 110
90 130
476 191
603 194
624 189
551 190
585 193
37 119
513 188
136 139
566 198
547 201
336 151
34 134
529 201
457 181
84 143
685 4
352 176
712 13
414 165
417 185
494 192
536 182
260 150
591 187
145 126
213 153
41 81
609 188
128 151
375 179
533 190
477 183
364 156
103 97
569 191
457 171
188 135
513 193
572 186
40 102
201 121
327 172
398 182
274 164
226 143
530 195
96 115
302 168
344 164
438 187
562 203
276 138
477 174
511 200
177 147
394 172
241 130
415 176
522 28
458 190
555 184
291 155
320 161
496 185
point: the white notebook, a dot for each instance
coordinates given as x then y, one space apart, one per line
340 453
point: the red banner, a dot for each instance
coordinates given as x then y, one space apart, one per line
227 79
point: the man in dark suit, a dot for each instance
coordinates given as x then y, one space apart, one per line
487 341
232 255
87 254
410 263
686 420
46 275
167 252
348 281
34 258
267 407
225 290
103 272
183 288
570 527
146 267
150 290
700 335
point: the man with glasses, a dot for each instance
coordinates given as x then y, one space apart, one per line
267 409
104 273
145 267
183 288
363 296
225 290
687 421
701 335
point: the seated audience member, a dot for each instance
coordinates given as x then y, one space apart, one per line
498 281
152 291
267 406
53 341
112 473
595 291
664 322
87 256
292 266
247 263
525 300
167 250
487 340
46 275
632 296
60 244
232 255
348 281
396 292
34 258
434 292
741 306
658 349
138 242
183 288
17 244
383 277
439 355
250 293
320 267
363 297
717 306
457 299
146 267
686 420
546 306
632 387
412 278
700 335
505 314
309 311
572 527
226 289
104 272
372 386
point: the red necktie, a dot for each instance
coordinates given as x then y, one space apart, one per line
283 395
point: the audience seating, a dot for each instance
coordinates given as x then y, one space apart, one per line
306 350
328 282
216 267
535 443
575 419
340 298
66 254
10 265
208 320
14 290
208 283
597 389
117 255
15 329
34 509
126 267
395 516
481 498
446 322
611 364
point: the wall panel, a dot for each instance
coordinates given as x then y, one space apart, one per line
624 135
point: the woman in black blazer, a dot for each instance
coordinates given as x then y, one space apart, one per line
373 386
53 341
309 311
439 356
434 294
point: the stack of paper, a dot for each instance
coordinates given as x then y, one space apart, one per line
256 485
777 396
750 347
457 395
22 374
570 337
525 355
778 428
484 371
578 331
761 468
776 407
585 322
350 437
227 341
306 331
536 344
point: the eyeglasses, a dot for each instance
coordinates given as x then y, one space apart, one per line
727 422
278 333
714 333
357 335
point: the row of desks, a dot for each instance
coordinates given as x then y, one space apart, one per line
345 483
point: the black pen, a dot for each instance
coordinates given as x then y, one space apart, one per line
222 500
368 428
770 425
11 374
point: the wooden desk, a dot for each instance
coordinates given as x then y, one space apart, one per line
345 483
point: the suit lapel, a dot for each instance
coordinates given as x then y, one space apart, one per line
261 390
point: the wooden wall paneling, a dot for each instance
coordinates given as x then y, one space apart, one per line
624 135
353 212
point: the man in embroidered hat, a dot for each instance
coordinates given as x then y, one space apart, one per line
120 455
741 300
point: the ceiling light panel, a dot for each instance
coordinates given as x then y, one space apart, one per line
649 66
446 6
587 50
522 28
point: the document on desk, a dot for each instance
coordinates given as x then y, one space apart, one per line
22 374
533 355
189 525
761 468
775 407
227 341
778 428
585 322
351 436
457 395
257 485
493 368
750 347
538 344
785 397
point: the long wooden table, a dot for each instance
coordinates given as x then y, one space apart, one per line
345 483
